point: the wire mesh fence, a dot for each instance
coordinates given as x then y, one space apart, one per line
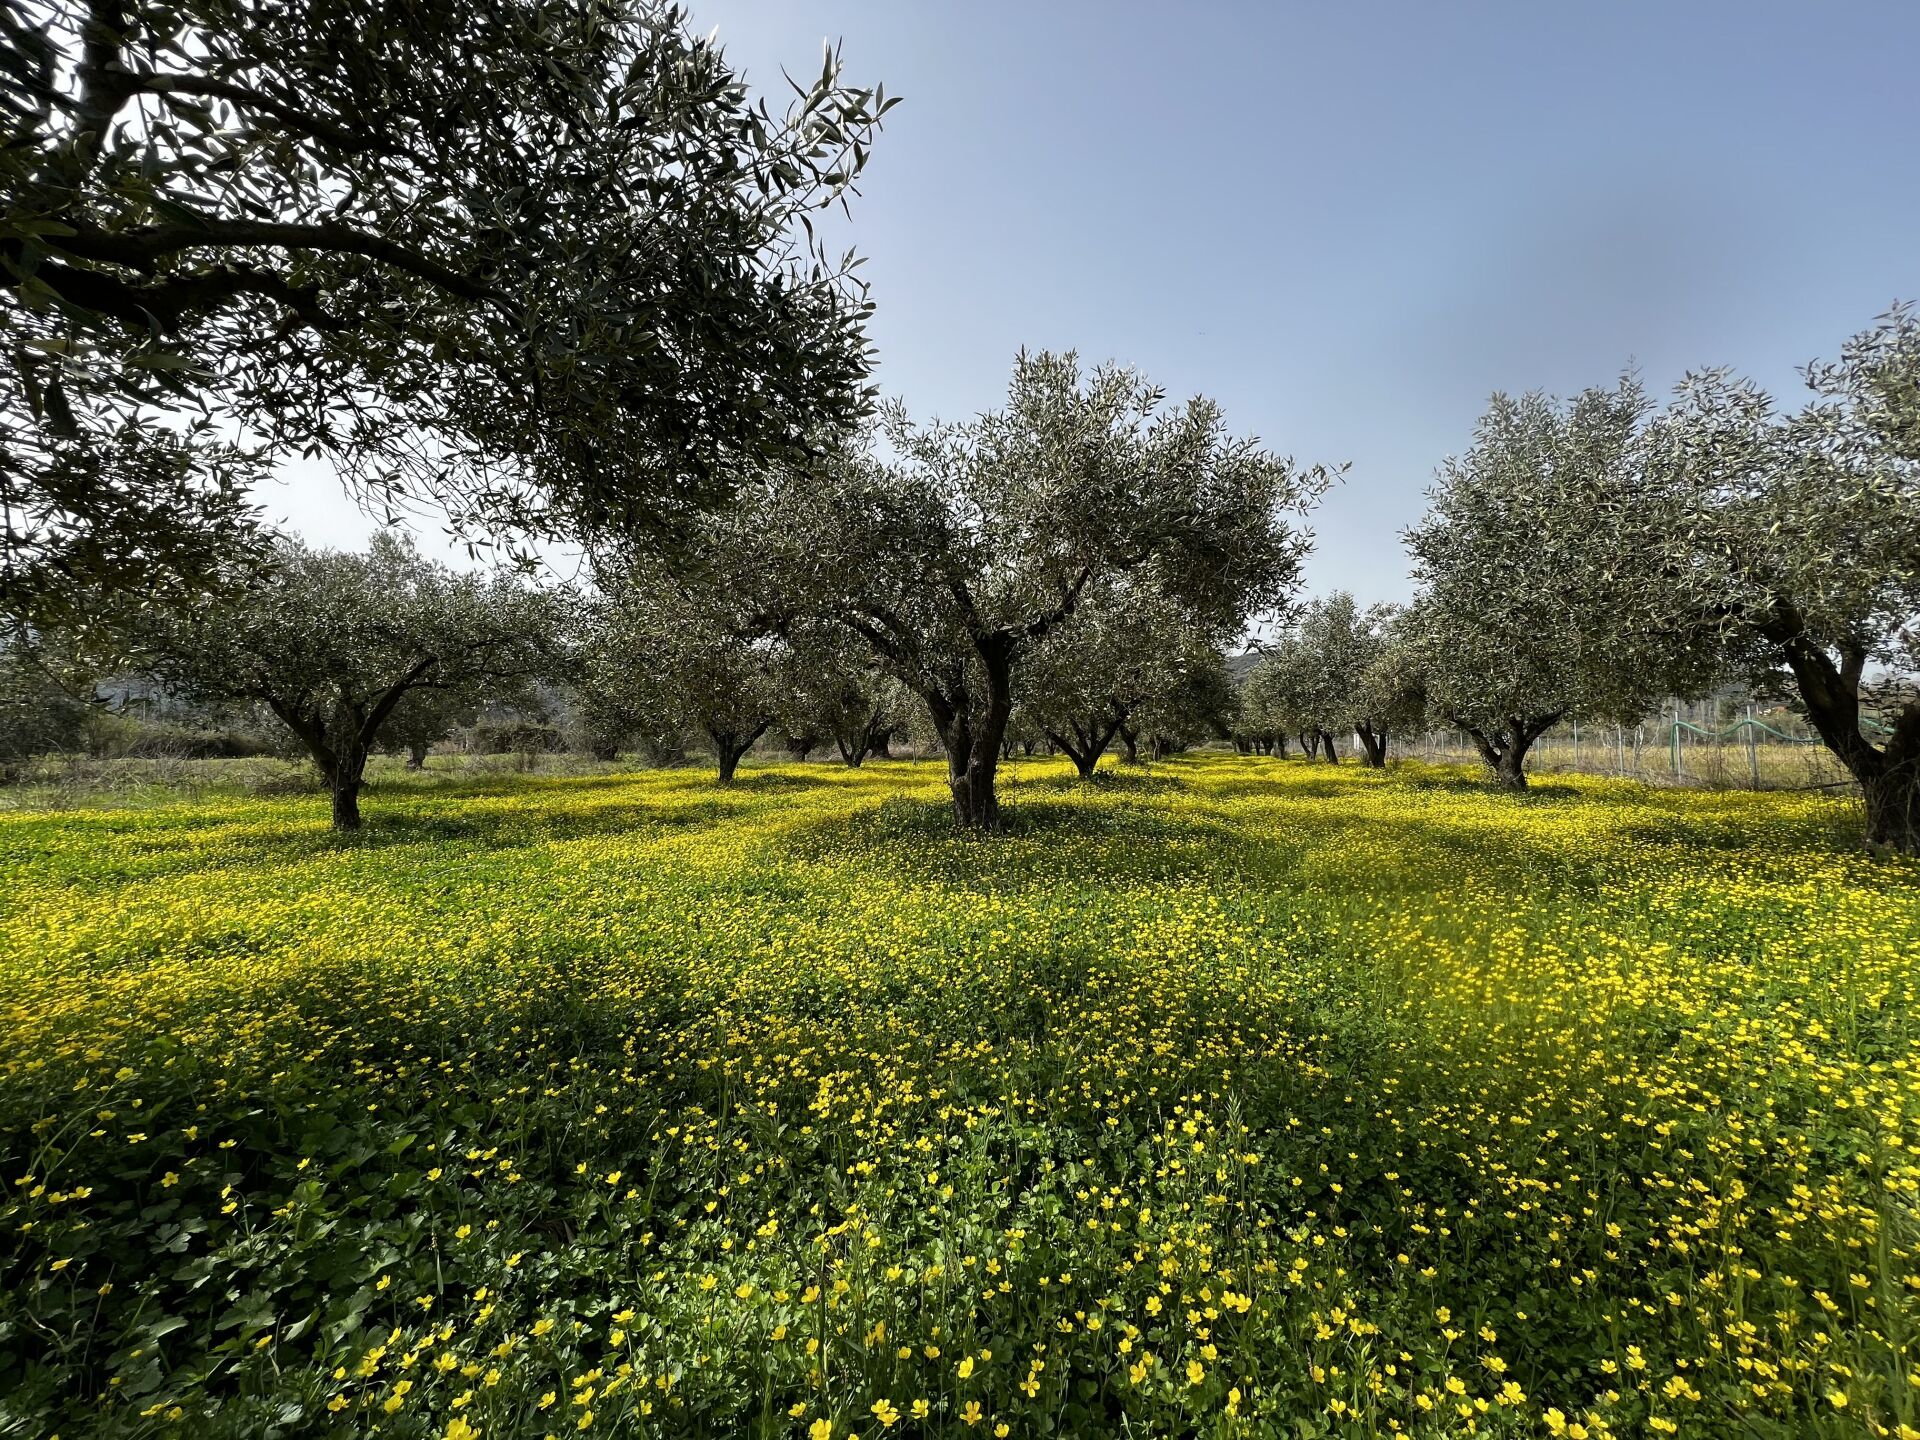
1687 745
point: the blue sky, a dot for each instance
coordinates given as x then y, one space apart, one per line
1350 223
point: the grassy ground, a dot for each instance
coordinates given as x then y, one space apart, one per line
139 783
1242 1098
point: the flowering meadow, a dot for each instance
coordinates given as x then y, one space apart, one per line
1241 1097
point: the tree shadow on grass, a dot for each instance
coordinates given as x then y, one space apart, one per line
769 781
1103 782
1046 838
297 834
510 830
1327 787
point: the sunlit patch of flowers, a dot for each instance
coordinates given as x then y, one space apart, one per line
1242 1098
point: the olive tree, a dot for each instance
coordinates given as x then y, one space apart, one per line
1125 648
99 510
1349 672
1201 702
331 643
41 710
837 691
1325 650
1252 726
1520 616
1793 540
617 701
544 263
1390 686
691 661
959 551
1285 695
423 718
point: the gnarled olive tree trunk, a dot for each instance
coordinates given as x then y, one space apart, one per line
1888 774
1088 742
972 770
347 774
1893 808
1504 746
729 746
974 734
339 736
1373 745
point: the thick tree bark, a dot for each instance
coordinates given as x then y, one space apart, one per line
1373 746
1889 775
346 804
729 746
1084 757
1505 748
345 775
1088 744
1326 748
1509 771
1280 746
1309 744
356 725
417 755
339 748
973 741
1893 810
851 753
971 771
1130 745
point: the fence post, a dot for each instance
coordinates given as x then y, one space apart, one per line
1753 749
1673 745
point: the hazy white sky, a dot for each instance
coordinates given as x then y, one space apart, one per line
1351 223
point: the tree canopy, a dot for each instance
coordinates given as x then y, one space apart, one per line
1793 539
332 642
688 655
1125 650
1521 618
542 262
837 692
1338 669
961 548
